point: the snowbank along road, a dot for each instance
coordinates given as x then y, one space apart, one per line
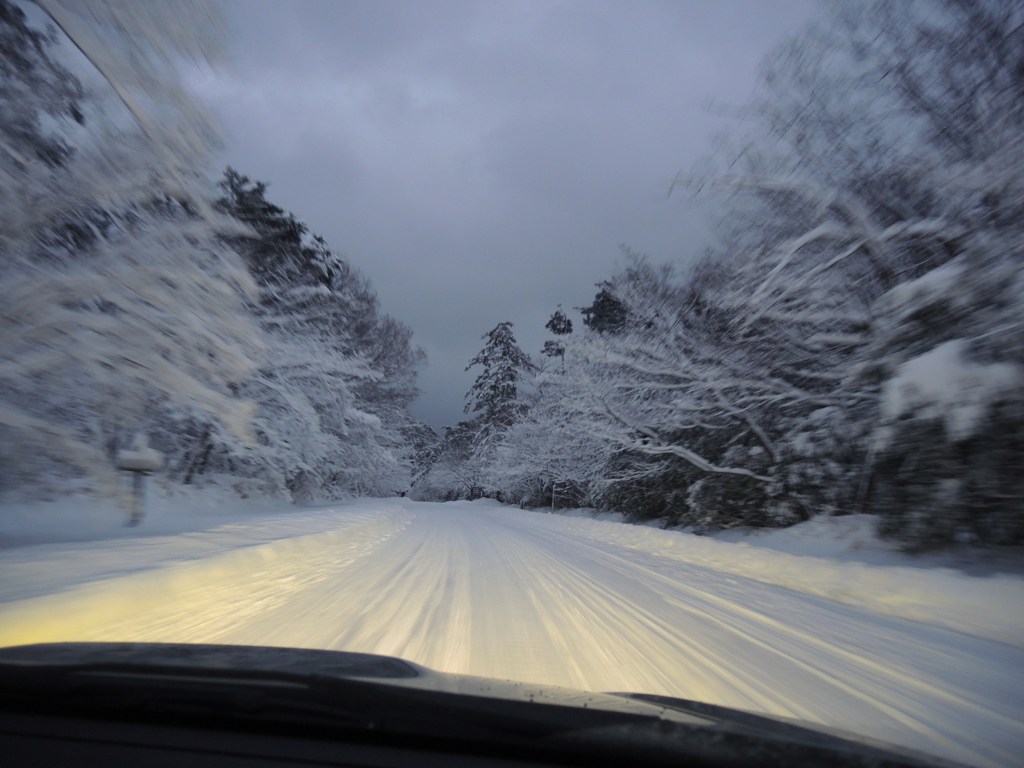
928 660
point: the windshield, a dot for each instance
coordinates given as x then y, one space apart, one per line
653 347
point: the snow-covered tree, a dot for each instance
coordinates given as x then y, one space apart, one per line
854 343
550 456
948 362
675 398
494 394
339 376
560 325
607 314
900 151
33 85
117 299
131 300
139 50
455 466
466 460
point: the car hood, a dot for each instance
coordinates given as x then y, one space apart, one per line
366 696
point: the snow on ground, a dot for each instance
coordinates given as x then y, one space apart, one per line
844 537
848 537
928 658
841 559
853 538
52 546
170 508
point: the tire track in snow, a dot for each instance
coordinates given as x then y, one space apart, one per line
905 701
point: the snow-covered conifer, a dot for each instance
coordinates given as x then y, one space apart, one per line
494 394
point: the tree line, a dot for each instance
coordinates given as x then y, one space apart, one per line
140 298
854 344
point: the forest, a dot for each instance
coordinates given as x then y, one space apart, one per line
145 301
854 343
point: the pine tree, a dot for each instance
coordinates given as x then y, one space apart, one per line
606 315
494 392
560 325
275 255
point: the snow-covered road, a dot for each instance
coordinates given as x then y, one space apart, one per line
493 591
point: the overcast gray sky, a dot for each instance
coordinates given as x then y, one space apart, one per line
483 161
